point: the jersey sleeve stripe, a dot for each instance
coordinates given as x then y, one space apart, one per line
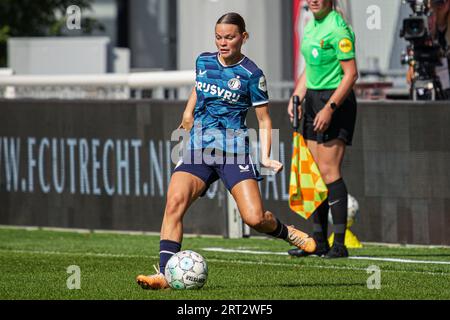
260 103
250 73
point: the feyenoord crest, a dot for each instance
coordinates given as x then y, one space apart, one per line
234 84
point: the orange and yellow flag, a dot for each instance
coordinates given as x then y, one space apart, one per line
307 190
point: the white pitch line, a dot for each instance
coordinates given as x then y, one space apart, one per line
401 260
215 249
280 264
85 254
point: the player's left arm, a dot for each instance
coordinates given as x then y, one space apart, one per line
348 81
265 138
323 118
344 46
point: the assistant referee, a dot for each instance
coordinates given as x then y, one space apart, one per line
326 87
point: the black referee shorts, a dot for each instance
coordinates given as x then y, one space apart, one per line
342 123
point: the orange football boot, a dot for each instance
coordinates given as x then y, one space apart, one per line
301 240
155 282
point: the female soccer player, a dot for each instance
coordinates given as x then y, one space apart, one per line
227 85
326 86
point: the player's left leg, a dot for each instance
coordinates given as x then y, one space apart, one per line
248 199
329 159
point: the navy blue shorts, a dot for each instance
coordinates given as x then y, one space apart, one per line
209 167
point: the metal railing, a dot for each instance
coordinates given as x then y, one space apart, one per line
170 85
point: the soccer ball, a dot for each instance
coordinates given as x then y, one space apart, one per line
352 211
186 270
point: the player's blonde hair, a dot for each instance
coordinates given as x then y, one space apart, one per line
335 7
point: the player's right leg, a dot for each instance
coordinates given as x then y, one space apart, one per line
248 199
184 189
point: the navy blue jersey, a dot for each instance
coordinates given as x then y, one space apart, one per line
224 95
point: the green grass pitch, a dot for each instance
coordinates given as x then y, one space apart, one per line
33 265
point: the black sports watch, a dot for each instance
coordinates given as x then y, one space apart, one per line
333 105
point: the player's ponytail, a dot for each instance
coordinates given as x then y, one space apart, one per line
338 9
233 18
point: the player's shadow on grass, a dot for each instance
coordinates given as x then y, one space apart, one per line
321 284
406 255
296 285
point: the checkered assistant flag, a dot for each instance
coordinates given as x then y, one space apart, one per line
307 190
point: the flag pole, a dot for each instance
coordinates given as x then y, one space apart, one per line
295 103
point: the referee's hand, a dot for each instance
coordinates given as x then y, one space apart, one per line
290 110
323 119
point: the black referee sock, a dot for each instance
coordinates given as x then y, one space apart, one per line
337 199
167 248
320 222
281 232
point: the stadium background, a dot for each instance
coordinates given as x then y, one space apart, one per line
399 178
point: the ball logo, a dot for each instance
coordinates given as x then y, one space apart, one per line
234 84
345 45
195 279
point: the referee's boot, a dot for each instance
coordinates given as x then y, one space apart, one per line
301 240
337 251
322 249
153 282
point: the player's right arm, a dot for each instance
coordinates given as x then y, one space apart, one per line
300 90
188 115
